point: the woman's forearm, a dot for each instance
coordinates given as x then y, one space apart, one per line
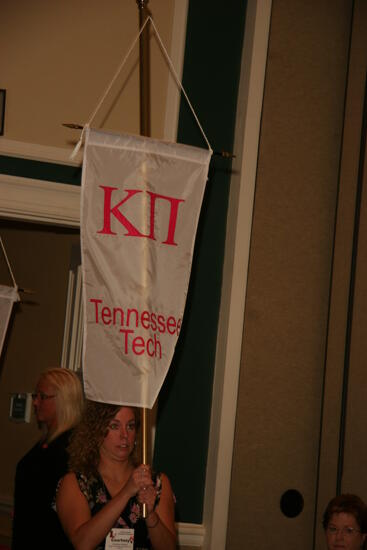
161 537
89 534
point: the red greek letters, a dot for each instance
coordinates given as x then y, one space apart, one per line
111 212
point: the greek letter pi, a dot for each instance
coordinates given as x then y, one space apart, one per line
132 231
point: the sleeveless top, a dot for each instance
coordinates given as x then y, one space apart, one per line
97 495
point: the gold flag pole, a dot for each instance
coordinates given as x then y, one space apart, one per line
144 78
144 68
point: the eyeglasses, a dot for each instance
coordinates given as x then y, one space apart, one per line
42 396
345 531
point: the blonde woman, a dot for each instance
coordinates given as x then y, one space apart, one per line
57 402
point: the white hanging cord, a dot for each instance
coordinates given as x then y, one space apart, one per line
117 72
7 261
106 92
79 144
104 95
179 83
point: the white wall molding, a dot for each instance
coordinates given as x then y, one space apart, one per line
42 153
39 201
235 269
177 58
190 534
6 505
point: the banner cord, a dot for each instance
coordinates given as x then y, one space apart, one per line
106 92
179 83
7 261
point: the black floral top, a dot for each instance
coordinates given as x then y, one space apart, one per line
97 495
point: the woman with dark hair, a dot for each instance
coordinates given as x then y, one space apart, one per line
345 523
57 402
99 501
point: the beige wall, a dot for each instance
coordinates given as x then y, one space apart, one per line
57 58
348 316
285 330
39 257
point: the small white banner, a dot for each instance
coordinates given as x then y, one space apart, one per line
141 200
8 295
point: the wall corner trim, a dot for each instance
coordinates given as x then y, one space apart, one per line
236 260
39 201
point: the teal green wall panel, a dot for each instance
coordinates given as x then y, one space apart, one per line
211 77
46 171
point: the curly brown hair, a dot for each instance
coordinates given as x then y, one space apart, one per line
88 436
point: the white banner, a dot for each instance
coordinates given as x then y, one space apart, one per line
8 295
141 200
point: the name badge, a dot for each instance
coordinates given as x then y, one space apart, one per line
120 539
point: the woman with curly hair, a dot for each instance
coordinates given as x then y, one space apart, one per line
99 501
345 523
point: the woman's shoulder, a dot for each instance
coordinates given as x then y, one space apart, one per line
76 483
58 445
160 478
162 485
63 438
68 479
30 456
73 478
42 458
90 485
164 488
